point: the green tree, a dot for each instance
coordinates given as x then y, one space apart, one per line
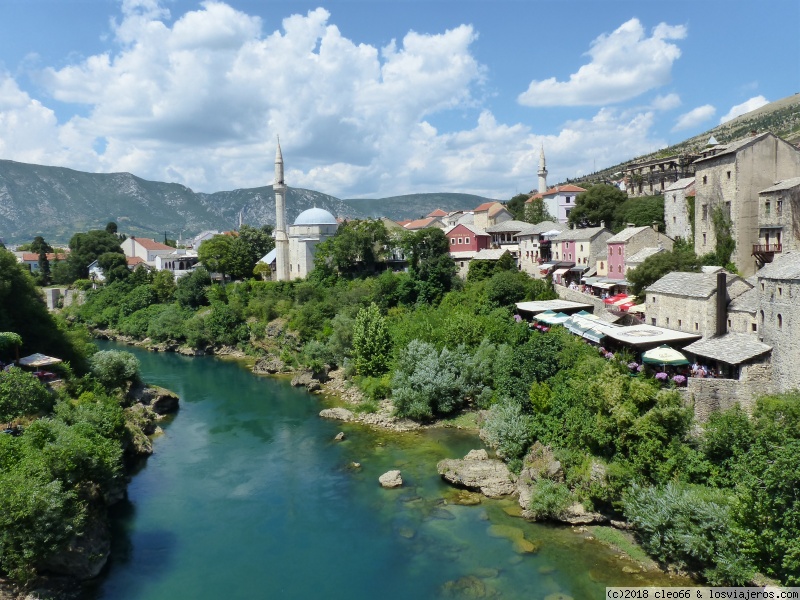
599 204
536 211
164 286
22 394
371 343
215 254
111 228
516 206
258 240
114 266
191 290
10 343
114 368
355 250
430 266
642 211
85 248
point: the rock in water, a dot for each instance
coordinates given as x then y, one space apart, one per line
477 471
339 414
339 436
391 479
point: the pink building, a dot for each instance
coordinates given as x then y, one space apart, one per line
464 238
628 242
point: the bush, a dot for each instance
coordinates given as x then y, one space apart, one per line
689 527
22 394
371 342
549 499
508 429
114 368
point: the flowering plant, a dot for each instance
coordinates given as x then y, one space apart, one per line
640 368
633 366
679 380
602 350
609 355
661 376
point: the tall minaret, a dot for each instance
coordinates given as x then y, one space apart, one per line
542 173
281 239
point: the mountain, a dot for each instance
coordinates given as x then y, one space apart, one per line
56 202
781 117
414 206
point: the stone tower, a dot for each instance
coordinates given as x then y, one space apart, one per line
281 239
542 172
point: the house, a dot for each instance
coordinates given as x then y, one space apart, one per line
145 248
458 217
654 176
490 213
200 238
424 223
180 262
96 272
465 242
559 200
778 213
638 258
580 246
692 302
534 245
504 235
438 213
778 288
728 179
630 241
677 207
30 260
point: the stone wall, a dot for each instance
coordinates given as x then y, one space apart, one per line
574 296
779 326
676 214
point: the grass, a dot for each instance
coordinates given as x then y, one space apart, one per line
465 420
621 541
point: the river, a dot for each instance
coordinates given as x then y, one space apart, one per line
248 496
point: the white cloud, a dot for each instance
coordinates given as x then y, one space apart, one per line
667 102
624 64
744 107
199 99
694 117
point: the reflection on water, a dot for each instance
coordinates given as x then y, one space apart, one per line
248 496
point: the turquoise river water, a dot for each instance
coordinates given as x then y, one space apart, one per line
248 496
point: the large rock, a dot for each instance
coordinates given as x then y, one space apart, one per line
306 379
87 553
577 515
268 365
338 414
391 479
161 401
478 472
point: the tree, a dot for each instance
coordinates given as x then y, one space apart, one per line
642 211
516 206
191 290
536 212
114 265
85 248
215 254
111 228
21 394
430 266
113 368
258 240
371 342
9 340
355 250
599 204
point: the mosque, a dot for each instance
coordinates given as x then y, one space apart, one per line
293 256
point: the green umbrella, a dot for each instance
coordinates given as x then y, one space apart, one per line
664 355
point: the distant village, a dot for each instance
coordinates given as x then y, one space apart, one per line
736 329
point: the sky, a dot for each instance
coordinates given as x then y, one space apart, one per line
379 98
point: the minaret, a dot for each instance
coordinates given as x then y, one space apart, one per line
281 239
542 172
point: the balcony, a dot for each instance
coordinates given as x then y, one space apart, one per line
764 253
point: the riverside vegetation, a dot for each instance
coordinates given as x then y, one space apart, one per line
63 457
720 502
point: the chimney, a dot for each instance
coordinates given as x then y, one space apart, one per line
630 224
655 226
722 304
603 224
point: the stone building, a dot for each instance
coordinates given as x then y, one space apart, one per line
559 200
630 241
778 220
677 207
651 177
728 179
310 228
534 245
490 213
145 248
778 317
688 301
580 246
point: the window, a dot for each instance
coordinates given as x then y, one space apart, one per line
452 241
619 251
762 286
569 210
674 220
779 207
460 240
705 180
653 299
602 266
766 207
780 321
780 291
680 322
753 327
729 323
462 264
697 326
704 239
667 320
619 268
673 198
729 174
704 209
581 247
466 240
653 321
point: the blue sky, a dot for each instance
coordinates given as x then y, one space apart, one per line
379 98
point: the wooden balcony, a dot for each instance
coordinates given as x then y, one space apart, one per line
764 253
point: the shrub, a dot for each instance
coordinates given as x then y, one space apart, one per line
549 499
22 394
371 342
114 368
508 429
689 527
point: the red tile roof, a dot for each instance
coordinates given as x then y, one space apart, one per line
437 213
421 223
564 188
150 244
33 257
485 206
134 260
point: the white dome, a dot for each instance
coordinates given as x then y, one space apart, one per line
315 216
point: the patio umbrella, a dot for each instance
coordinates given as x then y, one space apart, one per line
664 355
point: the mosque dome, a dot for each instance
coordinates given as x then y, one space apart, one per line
315 216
